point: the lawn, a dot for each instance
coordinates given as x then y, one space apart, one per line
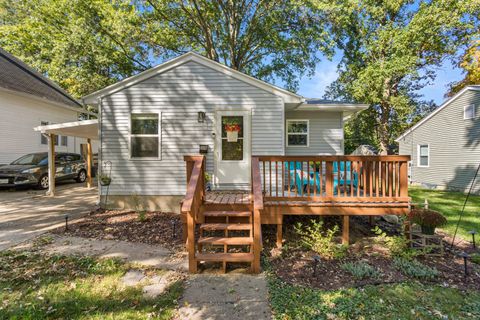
34 286
407 300
450 204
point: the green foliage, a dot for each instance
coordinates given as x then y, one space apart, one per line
360 270
315 238
413 268
391 50
398 246
142 216
35 286
475 258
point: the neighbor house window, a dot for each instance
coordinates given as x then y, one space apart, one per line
469 112
423 155
144 135
297 133
64 141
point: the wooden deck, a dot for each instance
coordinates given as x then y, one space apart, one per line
285 185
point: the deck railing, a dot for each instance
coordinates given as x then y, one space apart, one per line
193 201
333 178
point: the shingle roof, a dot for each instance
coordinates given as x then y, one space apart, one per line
325 101
17 76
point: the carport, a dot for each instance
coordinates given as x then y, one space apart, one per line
87 129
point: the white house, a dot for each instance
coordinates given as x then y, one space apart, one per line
27 100
150 121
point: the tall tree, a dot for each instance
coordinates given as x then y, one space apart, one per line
267 39
470 63
391 49
83 45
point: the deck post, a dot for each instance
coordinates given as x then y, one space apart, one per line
346 230
280 232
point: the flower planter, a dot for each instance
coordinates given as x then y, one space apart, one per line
105 181
232 136
429 230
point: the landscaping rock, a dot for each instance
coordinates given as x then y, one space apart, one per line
133 277
391 219
158 286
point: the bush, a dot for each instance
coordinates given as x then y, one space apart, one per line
427 217
313 237
398 246
360 270
415 269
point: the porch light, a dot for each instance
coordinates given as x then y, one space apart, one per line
316 261
203 149
201 116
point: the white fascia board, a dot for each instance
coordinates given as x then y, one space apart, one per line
286 95
431 114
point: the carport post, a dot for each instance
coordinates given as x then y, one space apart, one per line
51 164
89 163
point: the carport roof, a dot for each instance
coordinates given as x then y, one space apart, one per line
87 129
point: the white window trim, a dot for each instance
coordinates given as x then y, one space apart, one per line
418 155
465 112
297 133
159 135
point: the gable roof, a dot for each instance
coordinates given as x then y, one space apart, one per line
287 96
19 77
433 113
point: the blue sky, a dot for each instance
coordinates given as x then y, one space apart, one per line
326 72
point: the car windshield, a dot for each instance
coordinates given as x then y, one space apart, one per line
31 159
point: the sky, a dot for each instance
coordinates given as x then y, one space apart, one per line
326 73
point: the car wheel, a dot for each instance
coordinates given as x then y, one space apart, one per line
82 176
43 182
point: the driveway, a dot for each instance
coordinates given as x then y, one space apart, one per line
26 214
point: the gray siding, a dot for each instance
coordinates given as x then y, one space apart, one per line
179 94
325 133
454 146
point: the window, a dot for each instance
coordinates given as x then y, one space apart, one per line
469 112
232 150
144 135
297 133
64 141
423 155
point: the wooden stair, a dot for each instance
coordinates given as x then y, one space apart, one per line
232 234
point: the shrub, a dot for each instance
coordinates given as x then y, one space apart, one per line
398 246
427 217
415 269
142 215
360 270
313 237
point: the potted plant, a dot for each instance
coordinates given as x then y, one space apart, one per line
104 179
232 128
427 219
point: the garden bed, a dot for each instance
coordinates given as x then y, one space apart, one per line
295 264
153 228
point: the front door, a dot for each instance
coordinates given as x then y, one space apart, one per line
232 157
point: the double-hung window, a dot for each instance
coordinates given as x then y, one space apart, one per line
423 155
469 112
145 136
297 133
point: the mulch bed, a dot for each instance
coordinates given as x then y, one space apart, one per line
157 228
295 264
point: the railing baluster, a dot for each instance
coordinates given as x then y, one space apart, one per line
270 176
276 178
308 178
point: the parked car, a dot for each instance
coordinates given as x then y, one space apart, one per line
32 170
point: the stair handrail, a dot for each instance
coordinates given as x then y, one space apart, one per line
257 198
193 201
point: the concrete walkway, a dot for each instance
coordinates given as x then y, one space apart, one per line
25 215
230 296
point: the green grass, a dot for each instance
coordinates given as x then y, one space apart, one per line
34 286
407 300
450 204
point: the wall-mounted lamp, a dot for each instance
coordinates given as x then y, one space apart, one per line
203 149
201 116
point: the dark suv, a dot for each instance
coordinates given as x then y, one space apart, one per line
32 169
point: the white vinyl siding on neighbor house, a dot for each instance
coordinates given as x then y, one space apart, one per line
325 133
19 114
179 94
453 145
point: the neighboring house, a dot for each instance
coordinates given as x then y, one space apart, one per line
150 121
27 100
445 145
